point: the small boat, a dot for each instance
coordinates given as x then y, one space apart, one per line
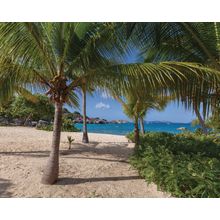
181 129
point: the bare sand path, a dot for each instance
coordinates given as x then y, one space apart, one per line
97 169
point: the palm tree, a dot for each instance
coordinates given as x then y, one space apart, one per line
187 42
152 102
85 87
57 56
50 56
141 120
195 42
85 138
137 102
200 119
131 108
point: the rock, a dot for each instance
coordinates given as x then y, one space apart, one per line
100 121
34 123
42 122
4 121
18 122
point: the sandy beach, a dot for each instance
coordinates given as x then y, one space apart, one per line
97 169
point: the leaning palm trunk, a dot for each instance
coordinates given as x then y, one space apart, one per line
27 119
142 125
85 138
51 171
201 121
136 133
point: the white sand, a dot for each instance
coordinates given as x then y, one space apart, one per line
97 169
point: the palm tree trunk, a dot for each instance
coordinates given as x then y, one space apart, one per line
201 121
136 133
85 138
51 171
26 120
142 125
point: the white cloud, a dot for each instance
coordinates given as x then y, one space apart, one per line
102 105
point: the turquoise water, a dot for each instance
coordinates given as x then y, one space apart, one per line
122 129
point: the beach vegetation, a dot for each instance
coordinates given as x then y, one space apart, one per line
185 165
5 109
42 109
67 125
19 107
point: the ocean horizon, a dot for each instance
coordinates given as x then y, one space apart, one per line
125 128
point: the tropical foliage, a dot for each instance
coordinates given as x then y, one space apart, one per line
136 103
67 125
20 107
184 165
197 42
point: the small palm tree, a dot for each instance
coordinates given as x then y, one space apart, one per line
70 141
136 103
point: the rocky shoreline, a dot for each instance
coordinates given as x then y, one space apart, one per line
20 122
98 121
30 123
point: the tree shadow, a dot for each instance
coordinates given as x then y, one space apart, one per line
27 153
102 159
75 181
4 185
95 143
120 150
117 150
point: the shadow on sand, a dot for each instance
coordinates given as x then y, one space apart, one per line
101 159
113 149
94 151
4 185
117 150
75 181
27 153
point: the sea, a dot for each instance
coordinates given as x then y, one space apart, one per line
123 129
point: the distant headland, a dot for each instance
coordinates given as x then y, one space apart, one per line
78 118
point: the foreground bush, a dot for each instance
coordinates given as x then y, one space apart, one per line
186 165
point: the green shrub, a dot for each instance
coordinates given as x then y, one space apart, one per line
67 125
45 127
199 131
186 165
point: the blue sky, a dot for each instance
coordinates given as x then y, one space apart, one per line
101 106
